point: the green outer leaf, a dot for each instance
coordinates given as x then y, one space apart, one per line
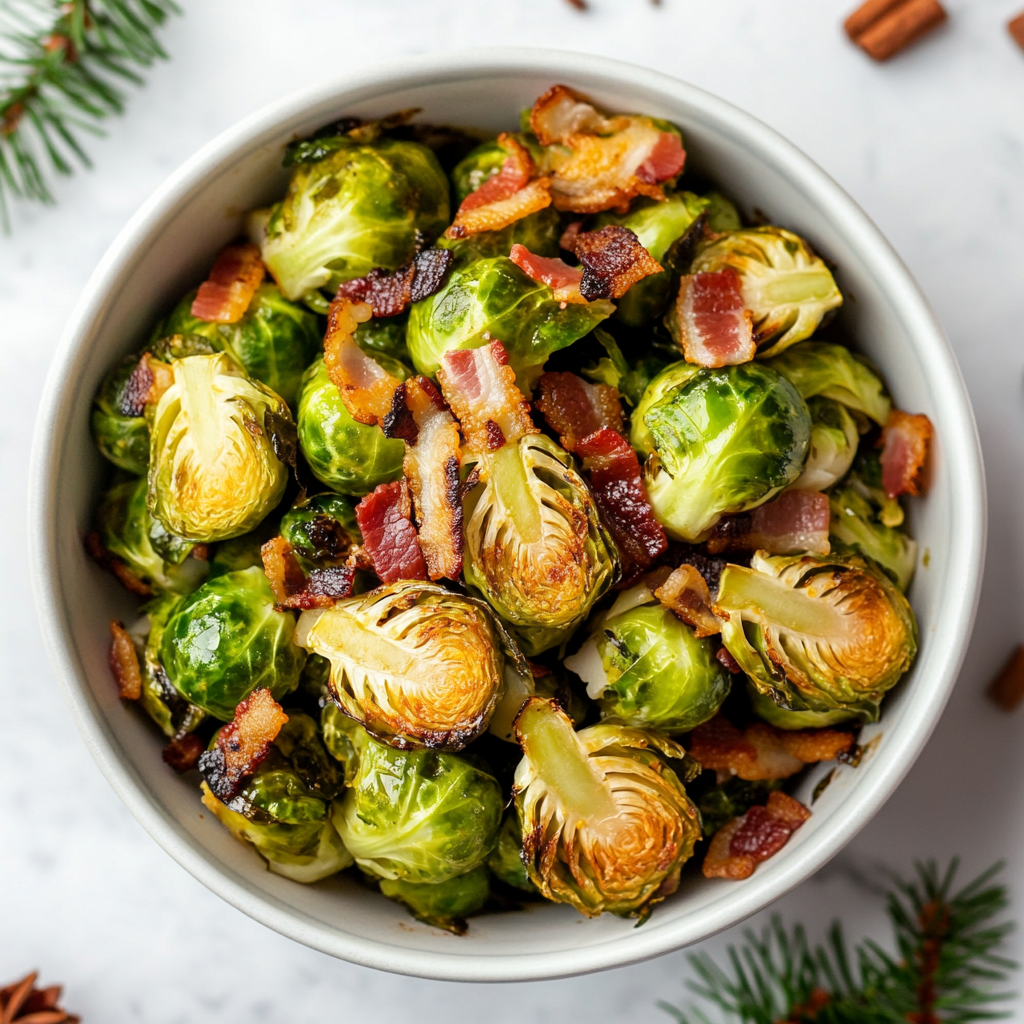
442 904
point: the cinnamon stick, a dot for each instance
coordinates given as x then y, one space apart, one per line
1007 689
883 28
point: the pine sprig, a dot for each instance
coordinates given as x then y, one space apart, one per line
62 72
943 971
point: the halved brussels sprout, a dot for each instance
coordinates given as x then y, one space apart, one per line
274 341
723 440
349 457
786 287
506 860
493 298
418 816
156 557
645 667
606 823
535 546
657 225
124 440
833 371
350 208
226 639
866 520
834 440
442 904
214 471
817 633
284 807
416 664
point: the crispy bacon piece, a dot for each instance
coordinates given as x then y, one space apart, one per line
431 466
481 388
710 322
367 389
562 279
574 408
602 163
385 521
389 294
183 752
124 663
148 381
905 441
794 521
762 752
504 197
225 295
686 593
242 744
292 588
739 846
614 473
113 564
613 261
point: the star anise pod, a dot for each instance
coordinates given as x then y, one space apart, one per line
23 1003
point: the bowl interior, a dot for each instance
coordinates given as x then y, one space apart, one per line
169 245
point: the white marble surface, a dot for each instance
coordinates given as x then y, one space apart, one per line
931 145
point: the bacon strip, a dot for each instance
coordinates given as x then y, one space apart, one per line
613 261
124 663
574 408
905 441
148 381
367 390
505 197
601 163
553 271
762 752
225 295
292 588
709 320
739 846
794 521
432 466
243 744
389 294
481 388
686 593
385 521
613 470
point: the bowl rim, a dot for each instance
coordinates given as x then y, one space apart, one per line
961 447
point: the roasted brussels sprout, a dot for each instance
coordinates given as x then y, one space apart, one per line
645 667
493 298
349 457
214 471
506 860
157 558
657 225
817 633
284 807
833 371
834 439
442 904
539 232
416 664
866 520
418 816
274 341
321 530
123 439
477 166
226 639
535 546
350 207
721 441
722 213
782 718
606 823
785 286
612 369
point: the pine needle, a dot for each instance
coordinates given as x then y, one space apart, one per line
63 68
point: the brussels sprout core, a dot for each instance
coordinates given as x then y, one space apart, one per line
214 473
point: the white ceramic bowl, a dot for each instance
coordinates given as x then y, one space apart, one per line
169 244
